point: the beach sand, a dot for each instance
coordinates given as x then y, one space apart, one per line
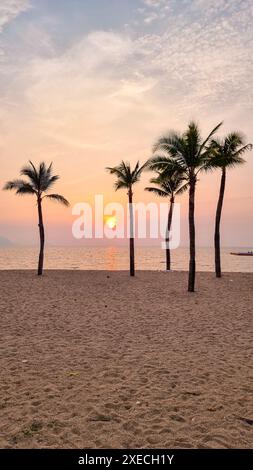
100 360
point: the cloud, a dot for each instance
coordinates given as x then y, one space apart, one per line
78 96
204 55
122 81
154 10
154 3
151 17
10 9
191 9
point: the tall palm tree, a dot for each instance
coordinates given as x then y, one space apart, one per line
169 185
189 152
40 180
227 153
126 178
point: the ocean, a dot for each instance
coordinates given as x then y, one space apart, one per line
117 258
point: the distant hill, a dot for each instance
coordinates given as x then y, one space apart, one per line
4 241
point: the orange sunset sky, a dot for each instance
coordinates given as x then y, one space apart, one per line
87 83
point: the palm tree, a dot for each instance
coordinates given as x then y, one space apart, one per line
126 178
227 153
169 185
40 180
189 153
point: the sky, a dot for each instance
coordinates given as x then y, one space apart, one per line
86 83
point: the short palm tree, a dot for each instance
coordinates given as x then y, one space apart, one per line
227 153
169 184
40 180
126 178
189 152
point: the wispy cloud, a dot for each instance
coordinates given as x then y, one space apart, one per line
191 9
205 52
194 65
10 9
155 10
155 3
151 17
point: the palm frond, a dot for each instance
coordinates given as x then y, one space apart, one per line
214 130
115 171
136 174
232 141
119 184
48 182
242 150
235 161
46 179
161 163
20 186
25 189
157 191
193 141
182 189
31 173
57 198
165 142
176 147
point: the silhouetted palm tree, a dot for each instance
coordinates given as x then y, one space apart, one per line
227 153
39 182
126 178
169 185
189 153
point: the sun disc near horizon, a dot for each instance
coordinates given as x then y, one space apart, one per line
110 221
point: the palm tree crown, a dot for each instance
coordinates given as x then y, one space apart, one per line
40 180
227 152
169 183
126 177
187 151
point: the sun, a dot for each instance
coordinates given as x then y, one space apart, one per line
110 221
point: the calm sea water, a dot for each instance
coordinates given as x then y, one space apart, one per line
116 258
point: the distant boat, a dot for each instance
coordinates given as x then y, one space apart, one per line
242 253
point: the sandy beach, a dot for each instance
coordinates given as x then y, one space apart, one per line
100 360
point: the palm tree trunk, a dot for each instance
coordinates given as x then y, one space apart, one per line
131 239
170 215
192 263
42 238
217 224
